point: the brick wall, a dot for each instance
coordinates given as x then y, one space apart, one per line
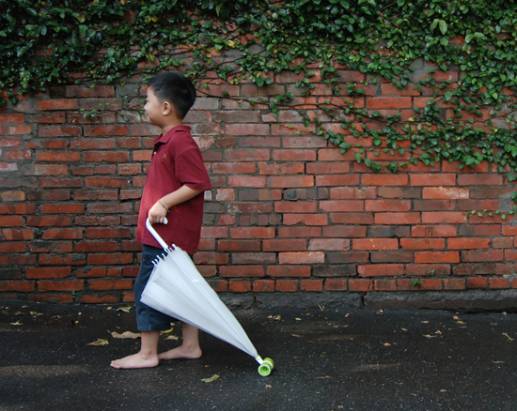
288 212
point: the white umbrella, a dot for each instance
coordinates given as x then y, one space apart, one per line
177 289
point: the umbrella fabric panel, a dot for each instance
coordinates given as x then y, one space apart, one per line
177 289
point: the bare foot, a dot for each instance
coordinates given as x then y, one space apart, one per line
181 352
137 360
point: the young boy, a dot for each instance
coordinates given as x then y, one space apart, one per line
174 190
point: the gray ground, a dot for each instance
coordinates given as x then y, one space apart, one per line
356 359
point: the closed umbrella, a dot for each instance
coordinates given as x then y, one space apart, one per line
177 289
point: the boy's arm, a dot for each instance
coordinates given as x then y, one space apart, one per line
159 210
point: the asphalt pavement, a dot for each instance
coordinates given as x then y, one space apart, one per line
326 359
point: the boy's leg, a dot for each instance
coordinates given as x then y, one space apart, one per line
149 321
145 358
189 347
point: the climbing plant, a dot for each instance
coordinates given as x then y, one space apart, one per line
469 119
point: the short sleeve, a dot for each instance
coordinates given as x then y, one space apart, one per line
190 170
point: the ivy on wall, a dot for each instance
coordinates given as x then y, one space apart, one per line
469 119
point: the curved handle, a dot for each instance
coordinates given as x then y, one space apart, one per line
155 234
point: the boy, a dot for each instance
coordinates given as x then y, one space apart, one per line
174 190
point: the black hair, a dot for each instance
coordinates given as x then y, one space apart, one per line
175 88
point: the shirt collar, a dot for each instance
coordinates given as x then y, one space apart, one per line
165 137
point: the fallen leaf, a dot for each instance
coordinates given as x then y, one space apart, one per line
275 317
507 336
35 313
298 319
404 329
172 337
210 379
125 309
438 332
125 334
99 342
429 336
168 331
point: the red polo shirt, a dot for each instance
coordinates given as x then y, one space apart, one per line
176 161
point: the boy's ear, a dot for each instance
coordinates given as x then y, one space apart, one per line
167 108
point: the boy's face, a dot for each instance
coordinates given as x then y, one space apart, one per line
155 109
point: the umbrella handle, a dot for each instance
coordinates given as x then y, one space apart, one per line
155 234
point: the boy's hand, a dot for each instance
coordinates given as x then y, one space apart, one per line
157 213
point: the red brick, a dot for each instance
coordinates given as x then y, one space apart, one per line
106 130
337 180
110 284
57 104
48 272
286 285
11 221
434 231
106 156
301 257
242 271
387 205
336 244
336 284
252 232
307 219
62 208
50 169
22 286
290 181
311 285
62 233
380 270
294 155
239 245
388 102
59 131
422 243
289 271
480 179
342 205
428 269
467 242
375 244
285 245
295 206
239 286
477 282
431 284
66 285
246 181
445 193
482 255
17 234
432 179
437 257
441 217
454 284
99 299
263 286
110 258
495 283
385 285
384 179
57 156
360 285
